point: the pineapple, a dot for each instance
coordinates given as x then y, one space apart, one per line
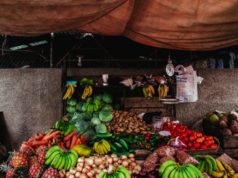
50 173
36 170
19 159
40 149
33 160
26 149
41 157
20 172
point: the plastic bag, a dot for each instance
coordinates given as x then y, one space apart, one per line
177 143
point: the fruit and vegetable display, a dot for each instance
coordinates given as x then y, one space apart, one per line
226 122
93 140
193 140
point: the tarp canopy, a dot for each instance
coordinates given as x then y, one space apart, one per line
176 24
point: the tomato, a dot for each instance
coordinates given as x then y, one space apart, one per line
214 146
186 139
200 140
199 134
189 132
189 145
204 147
210 137
196 145
192 138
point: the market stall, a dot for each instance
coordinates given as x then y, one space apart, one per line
126 125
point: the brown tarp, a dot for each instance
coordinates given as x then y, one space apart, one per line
177 24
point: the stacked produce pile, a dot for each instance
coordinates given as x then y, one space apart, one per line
227 122
192 139
128 122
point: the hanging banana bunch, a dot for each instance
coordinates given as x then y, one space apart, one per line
88 89
148 91
163 90
71 85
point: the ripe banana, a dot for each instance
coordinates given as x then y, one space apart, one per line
148 91
102 147
88 91
163 90
70 91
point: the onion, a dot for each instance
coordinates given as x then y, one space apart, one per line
125 163
114 156
98 171
131 155
115 159
81 160
71 176
110 169
78 174
80 164
67 174
72 170
79 168
132 159
101 166
98 161
89 161
123 157
84 176
89 174
85 170
110 160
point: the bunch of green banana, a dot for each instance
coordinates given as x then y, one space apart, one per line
171 169
206 163
102 147
87 91
119 147
60 160
70 91
148 91
121 172
163 90
224 170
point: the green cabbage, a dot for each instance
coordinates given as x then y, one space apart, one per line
105 116
101 128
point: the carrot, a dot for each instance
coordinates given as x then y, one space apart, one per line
73 141
69 136
51 135
38 143
68 144
78 141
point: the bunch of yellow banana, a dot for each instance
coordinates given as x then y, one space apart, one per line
70 91
163 90
224 171
148 91
88 91
102 147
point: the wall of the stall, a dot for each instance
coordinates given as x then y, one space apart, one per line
30 100
219 90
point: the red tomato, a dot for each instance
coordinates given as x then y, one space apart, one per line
210 137
196 145
204 147
192 138
189 145
200 140
189 132
213 146
199 134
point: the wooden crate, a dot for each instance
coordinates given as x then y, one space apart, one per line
141 104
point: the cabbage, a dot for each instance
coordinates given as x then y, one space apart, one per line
82 126
71 102
79 106
95 121
107 98
105 115
101 128
90 134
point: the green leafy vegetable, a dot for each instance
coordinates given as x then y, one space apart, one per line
105 116
101 128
